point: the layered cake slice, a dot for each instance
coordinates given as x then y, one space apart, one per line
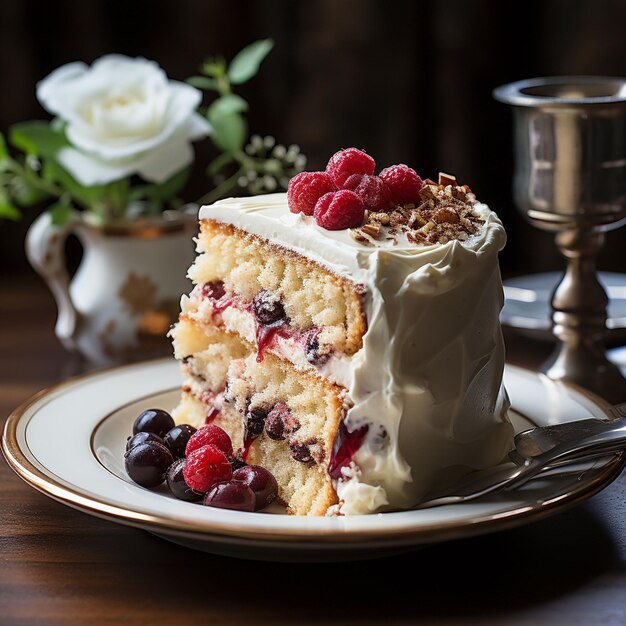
346 335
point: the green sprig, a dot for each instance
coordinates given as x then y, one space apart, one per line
255 167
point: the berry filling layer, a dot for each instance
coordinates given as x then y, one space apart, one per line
264 324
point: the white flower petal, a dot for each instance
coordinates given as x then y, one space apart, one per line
160 164
123 116
198 127
89 170
182 102
50 89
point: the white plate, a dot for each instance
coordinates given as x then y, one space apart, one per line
69 441
527 304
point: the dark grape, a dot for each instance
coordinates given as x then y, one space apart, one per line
176 439
261 481
300 452
231 495
268 308
255 421
154 421
147 463
177 485
280 422
135 440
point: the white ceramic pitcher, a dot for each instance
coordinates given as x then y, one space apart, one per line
125 295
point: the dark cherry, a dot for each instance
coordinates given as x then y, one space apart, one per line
300 452
280 423
154 421
135 440
147 463
176 439
255 421
177 485
231 495
262 483
267 308
237 463
214 289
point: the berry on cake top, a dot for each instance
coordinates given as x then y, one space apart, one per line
349 195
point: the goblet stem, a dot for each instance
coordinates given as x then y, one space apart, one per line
579 315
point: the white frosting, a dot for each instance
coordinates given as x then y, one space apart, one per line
429 374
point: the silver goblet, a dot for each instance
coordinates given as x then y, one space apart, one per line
570 178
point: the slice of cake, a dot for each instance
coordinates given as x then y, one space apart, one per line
346 335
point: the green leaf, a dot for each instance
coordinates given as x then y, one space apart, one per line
8 211
37 138
172 186
229 130
25 193
139 192
225 105
4 152
219 163
214 67
203 82
60 213
87 196
246 62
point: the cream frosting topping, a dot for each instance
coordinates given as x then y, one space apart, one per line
428 379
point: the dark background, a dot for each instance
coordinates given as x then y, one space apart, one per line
408 81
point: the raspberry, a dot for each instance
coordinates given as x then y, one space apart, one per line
349 161
372 190
205 467
305 189
210 434
403 182
339 210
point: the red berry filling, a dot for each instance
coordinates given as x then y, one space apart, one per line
350 161
213 435
345 447
305 189
403 183
205 467
339 210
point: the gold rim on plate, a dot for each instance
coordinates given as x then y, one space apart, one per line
203 529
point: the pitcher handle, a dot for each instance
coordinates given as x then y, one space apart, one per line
45 249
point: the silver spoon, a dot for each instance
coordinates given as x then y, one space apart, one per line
536 441
602 439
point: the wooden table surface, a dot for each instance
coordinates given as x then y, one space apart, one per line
60 566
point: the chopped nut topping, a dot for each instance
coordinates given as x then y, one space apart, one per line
445 213
447 179
459 194
416 220
372 229
381 218
358 236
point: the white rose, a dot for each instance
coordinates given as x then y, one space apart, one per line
123 117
